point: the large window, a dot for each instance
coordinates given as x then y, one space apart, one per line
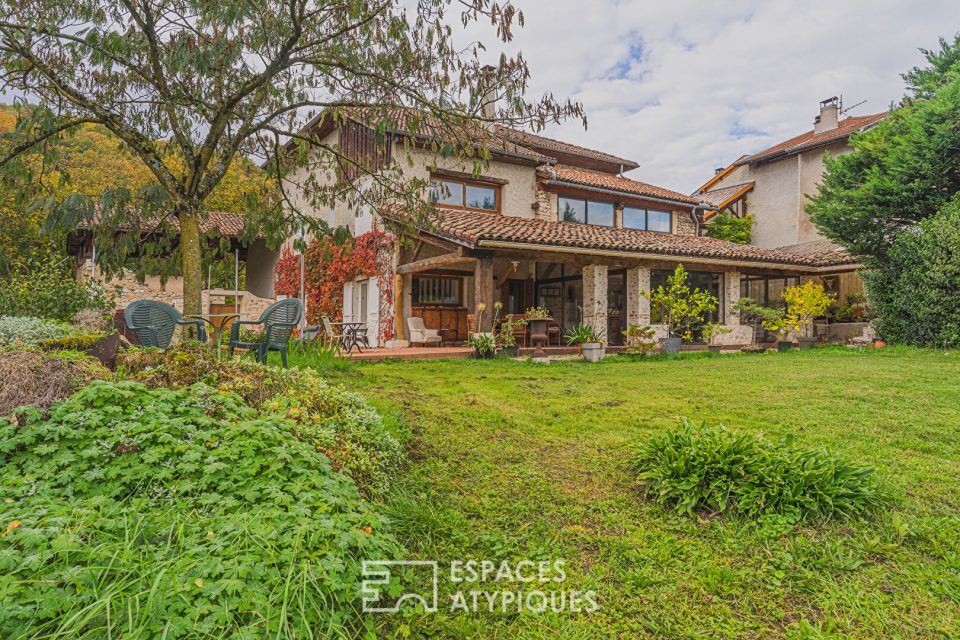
647 220
586 211
464 194
437 291
703 280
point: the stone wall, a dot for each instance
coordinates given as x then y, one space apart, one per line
129 289
683 224
544 208
595 297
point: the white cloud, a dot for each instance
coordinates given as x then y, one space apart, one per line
683 87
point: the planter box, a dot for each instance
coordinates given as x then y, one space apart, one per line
671 345
592 351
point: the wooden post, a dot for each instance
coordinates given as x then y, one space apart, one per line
483 292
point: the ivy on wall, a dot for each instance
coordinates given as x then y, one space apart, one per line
330 265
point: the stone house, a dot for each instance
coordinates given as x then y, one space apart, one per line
775 185
544 223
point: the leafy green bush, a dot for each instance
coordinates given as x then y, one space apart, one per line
726 226
51 292
29 331
160 513
337 423
702 468
915 290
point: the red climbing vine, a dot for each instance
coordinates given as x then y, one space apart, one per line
330 265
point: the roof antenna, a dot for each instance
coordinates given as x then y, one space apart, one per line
843 109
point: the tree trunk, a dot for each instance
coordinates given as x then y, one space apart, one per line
191 263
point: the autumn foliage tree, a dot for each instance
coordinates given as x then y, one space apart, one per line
190 85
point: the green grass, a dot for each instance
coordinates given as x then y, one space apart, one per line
513 460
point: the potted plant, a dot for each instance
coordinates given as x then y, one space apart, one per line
639 339
781 325
482 344
588 340
754 315
537 321
504 337
804 303
712 332
682 309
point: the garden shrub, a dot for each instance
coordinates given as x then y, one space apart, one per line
31 377
80 342
28 331
337 423
143 513
915 290
49 291
713 469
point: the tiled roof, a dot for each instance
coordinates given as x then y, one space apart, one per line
475 228
824 251
721 197
845 129
406 121
228 225
585 177
540 142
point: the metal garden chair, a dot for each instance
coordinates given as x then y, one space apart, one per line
154 323
278 320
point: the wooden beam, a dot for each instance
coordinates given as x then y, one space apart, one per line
436 262
502 279
439 242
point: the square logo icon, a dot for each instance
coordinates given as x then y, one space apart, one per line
388 585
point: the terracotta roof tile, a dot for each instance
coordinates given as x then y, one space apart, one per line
540 142
845 129
474 228
823 250
229 225
721 197
586 177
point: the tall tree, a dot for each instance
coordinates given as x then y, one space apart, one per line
188 85
902 171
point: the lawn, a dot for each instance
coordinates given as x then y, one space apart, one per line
512 461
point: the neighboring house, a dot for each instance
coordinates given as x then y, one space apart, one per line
255 259
547 224
775 184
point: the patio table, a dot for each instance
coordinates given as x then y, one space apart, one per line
217 322
350 336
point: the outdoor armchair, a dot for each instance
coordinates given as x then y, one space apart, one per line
155 322
278 321
419 333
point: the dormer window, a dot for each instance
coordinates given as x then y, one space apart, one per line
585 211
464 194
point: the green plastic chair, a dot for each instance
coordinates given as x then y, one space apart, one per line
154 323
278 320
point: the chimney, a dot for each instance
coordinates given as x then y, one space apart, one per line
487 92
829 116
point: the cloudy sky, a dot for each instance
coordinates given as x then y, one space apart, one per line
683 87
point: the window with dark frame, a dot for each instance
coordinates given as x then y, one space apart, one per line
585 211
647 220
439 291
464 194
